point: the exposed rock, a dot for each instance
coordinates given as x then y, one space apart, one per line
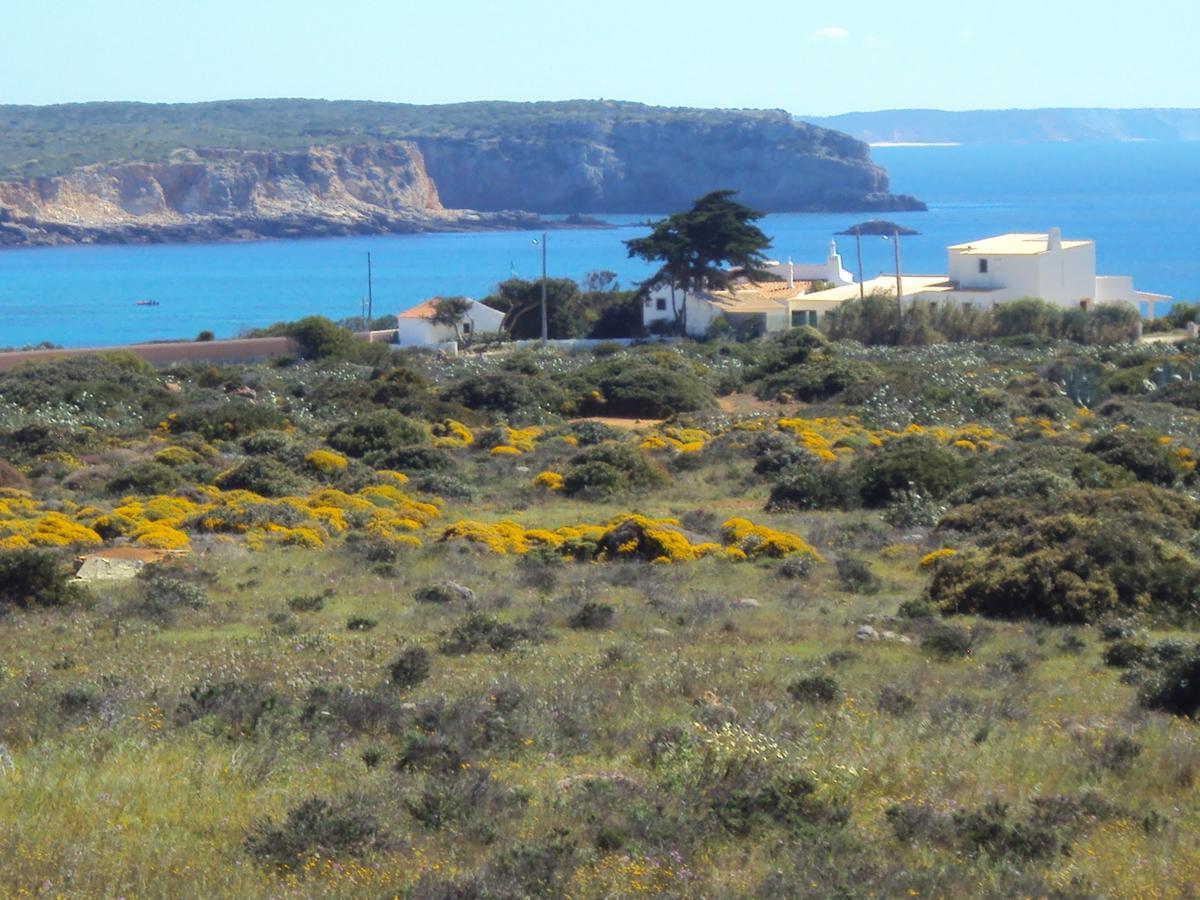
214 194
660 633
745 603
866 633
12 477
460 591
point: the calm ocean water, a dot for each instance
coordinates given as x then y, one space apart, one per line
1139 201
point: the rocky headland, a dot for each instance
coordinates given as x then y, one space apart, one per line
384 168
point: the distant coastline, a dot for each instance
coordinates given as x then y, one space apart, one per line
916 144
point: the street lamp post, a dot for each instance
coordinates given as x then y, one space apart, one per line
888 231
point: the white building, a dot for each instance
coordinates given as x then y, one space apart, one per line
415 327
766 300
1011 266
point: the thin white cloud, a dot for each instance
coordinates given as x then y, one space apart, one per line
831 33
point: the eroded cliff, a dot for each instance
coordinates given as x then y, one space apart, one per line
304 168
230 194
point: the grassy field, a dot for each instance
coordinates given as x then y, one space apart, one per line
319 701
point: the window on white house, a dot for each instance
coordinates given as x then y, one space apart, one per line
983 266
661 304
466 328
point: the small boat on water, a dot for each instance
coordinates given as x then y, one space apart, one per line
145 302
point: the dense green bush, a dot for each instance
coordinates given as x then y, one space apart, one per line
910 463
813 484
145 478
606 468
376 432
653 386
35 578
1142 454
1069 567
227 419
818 379
507 393
1176 687
410 668
261 475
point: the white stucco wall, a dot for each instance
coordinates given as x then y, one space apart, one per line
700 312
1064 276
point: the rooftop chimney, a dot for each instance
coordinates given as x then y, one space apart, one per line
1054 239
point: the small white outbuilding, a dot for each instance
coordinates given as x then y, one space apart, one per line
415 327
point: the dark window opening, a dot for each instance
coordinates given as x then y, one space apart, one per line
983 266
661 304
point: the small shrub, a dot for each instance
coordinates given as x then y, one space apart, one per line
894 702
914 463
380 431
360 623
855 576
145 478
410 668
1176 687
796 567
312 827
261 475
35 578
814 689
1116 753
235 707
948 641
306 603
162 595
592 616
478 630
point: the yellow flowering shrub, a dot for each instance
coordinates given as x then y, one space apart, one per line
326 461
931 559
522 438
452 434
552 481
176 456
504 450
758 540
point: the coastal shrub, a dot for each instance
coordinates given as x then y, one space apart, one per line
313 827
819 379
915 462
507 393
478 630
147 477
606 468
811 484
640 386
590 432
377 432
1144 455
855 576
412 458
410 668
233 708
592 616
32 577
814 689
261 475
1175 688
228 419
947 641
1028 315
162 595
1081 565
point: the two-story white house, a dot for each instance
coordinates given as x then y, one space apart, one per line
1006 267
764 303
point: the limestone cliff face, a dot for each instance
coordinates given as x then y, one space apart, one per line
641 162
776 164
229 194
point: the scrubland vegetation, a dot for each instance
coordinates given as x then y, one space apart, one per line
834 620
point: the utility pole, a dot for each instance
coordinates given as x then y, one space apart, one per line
545 327
370 298
899 291
858 247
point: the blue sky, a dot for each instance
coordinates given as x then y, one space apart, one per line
792 54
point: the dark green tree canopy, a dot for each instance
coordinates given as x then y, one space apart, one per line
700 248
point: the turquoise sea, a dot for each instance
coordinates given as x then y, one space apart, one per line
1139 201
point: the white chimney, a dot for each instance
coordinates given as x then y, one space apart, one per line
791 274
1054 239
